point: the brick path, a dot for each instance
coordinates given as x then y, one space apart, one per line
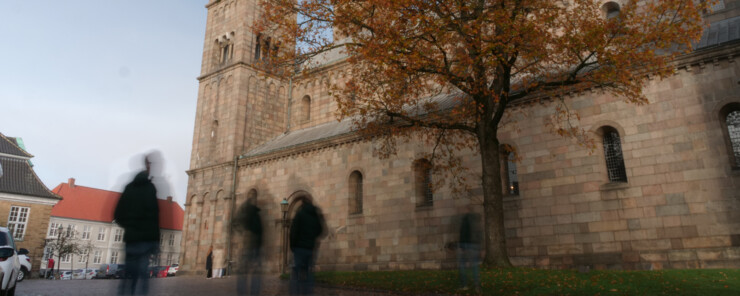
182 285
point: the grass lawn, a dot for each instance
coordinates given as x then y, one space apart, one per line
524 281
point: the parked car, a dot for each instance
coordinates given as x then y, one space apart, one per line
25 262
158 271
9 265
90 274
172 271
80 274
66 275
109 271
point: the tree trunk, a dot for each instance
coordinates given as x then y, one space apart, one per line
493 206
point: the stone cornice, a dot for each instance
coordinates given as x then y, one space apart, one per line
210 167
231 66
209 5
27 199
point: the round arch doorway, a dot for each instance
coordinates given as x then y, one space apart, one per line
295 201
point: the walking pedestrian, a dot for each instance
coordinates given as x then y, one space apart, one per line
138 213
307 227
209 263
469 250
249 219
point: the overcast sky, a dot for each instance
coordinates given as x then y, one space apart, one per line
89 84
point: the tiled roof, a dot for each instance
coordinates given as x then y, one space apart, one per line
19 178
8 146
92 204
720 32
331 129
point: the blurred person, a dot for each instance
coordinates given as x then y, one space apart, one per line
468 255
249 220
49 269
137 213
209 263
306 228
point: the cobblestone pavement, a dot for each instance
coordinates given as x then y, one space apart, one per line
179 285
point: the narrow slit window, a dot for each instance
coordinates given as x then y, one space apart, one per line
614 157
355 192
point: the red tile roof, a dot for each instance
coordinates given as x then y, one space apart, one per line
92 204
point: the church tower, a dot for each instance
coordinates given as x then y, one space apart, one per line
239 107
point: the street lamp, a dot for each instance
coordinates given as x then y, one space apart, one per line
284 208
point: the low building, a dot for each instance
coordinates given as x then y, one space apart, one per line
87 213
24 199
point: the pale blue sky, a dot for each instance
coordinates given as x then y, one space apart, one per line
89 84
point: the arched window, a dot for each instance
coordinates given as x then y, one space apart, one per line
610 9
306 108
355 193
613 155
509 178
423 182
258 47
267 49
730 120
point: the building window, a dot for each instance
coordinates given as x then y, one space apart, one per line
96 256
509 172
71 231
423 182
172 239
258 47
266 54
306 108
83 257
169 259
355 193
611 9
17 221
101 234
86 231
53 229
113 257
161 239
119 235
732 132
613 156
67 258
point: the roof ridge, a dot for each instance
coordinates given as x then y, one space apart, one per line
16 146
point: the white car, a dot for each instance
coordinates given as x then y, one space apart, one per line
172 271
25 262
66 275
9 265
81 274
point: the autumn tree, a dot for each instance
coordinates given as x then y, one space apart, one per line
445 72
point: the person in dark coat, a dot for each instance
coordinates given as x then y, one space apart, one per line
249 220
469 249
209 263
306 228
137 213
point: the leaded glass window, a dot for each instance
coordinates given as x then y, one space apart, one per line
733 130
513 186
614 157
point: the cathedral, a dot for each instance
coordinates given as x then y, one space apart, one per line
659 191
